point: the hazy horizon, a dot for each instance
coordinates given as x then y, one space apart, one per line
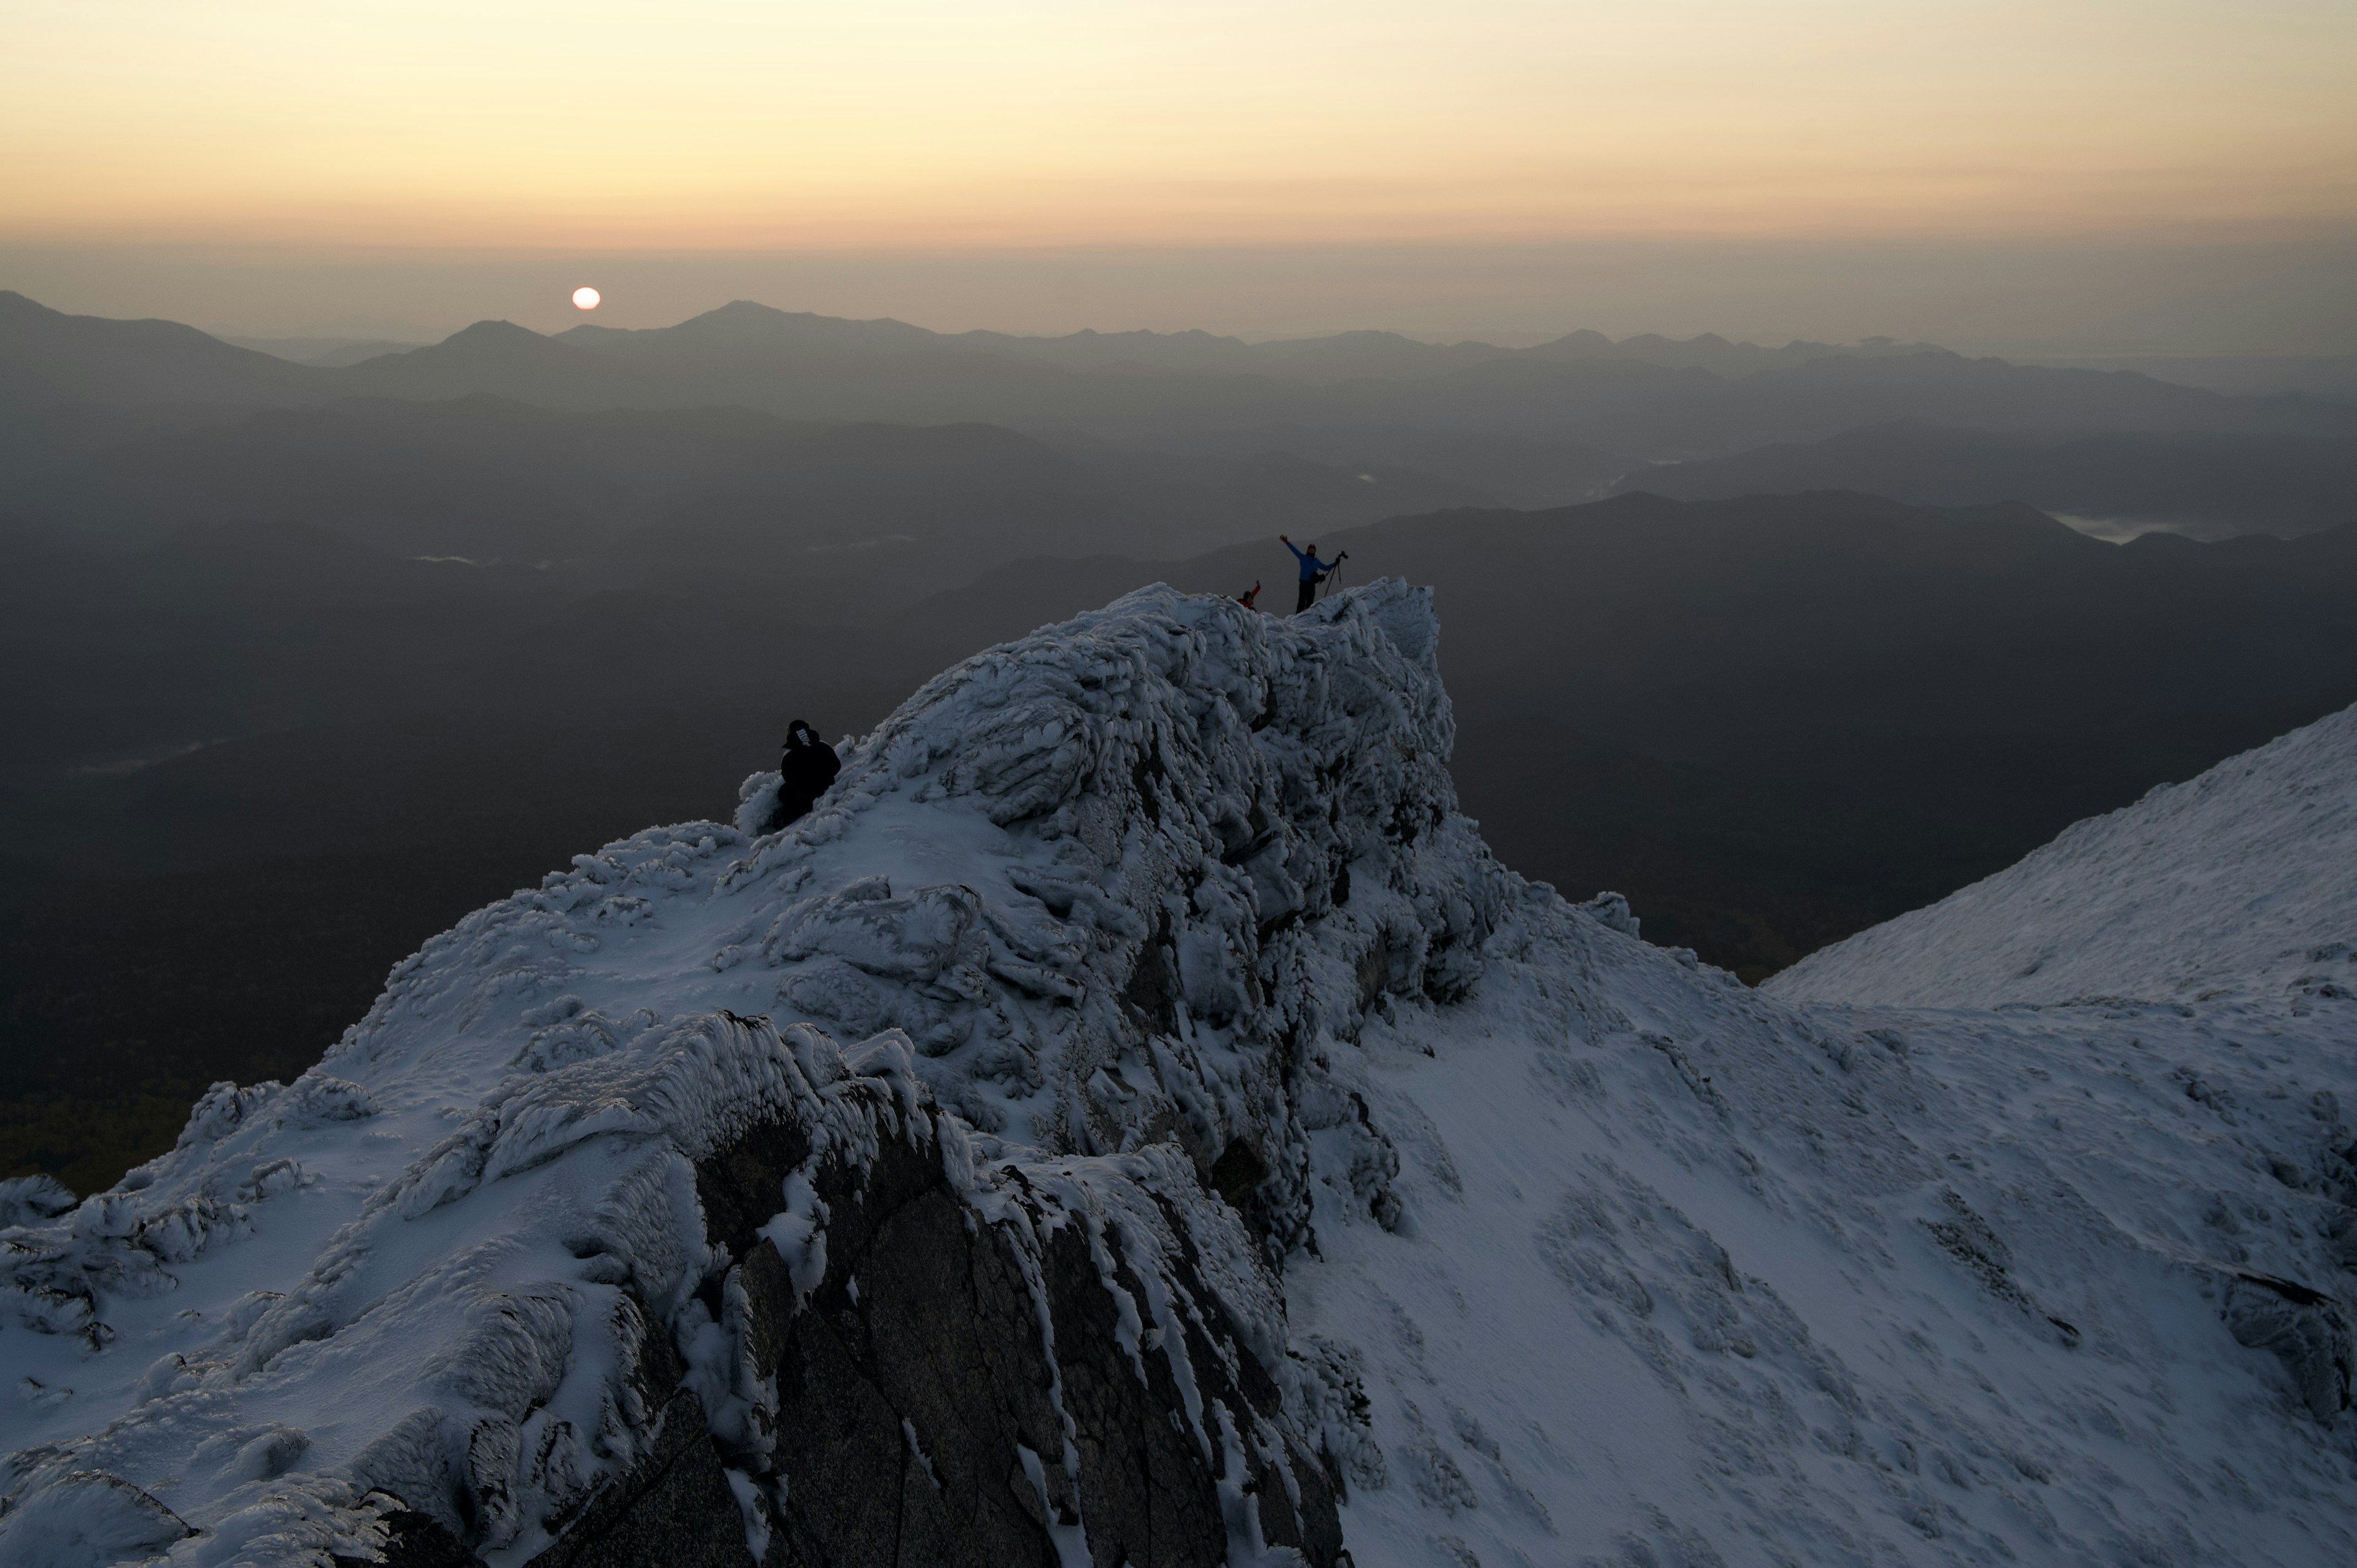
2218 297
2089 175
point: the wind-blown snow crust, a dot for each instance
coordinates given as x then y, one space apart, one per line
2236 883
1275 1160
1093 893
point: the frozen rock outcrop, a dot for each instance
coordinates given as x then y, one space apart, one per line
1131 1119
655 1243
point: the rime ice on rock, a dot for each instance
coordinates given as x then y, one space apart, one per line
1098 893
1234 1161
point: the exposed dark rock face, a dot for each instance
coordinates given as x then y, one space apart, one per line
962 1374
2304 1330
663 1282
414 1541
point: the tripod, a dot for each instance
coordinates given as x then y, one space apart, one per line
1334 574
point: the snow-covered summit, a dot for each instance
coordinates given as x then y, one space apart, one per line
1089 896
2241 883
1134 1119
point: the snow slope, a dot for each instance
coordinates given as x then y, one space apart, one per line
1564 1247
1690 1277
2238 883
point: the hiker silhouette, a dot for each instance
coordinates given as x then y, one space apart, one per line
806 766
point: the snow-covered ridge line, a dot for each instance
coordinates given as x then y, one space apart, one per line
1237 1154
1141 860
2235 884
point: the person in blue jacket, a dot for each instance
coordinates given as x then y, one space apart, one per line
1313 572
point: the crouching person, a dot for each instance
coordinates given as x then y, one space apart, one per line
805 767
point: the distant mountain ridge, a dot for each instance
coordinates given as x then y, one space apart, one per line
46 356
492 479
817 369
1906 693
1770 722
1911 697
331 352
2208 483
1645 397
1336 356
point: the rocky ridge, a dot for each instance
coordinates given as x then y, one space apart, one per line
677 1253
1236 1165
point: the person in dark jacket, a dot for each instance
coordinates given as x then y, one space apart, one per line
1313 572
805 767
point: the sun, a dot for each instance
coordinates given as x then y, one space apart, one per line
586 298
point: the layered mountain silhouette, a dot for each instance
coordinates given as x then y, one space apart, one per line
47 356
325 351
1770 721
719 490
432 619
1909 696
2207 482
1649 396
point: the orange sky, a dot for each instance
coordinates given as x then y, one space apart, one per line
776 125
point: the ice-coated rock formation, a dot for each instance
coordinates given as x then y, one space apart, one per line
1133 1120
570 1197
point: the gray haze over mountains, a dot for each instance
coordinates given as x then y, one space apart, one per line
321 349
1779 640
2230 295
1553 424
2210 484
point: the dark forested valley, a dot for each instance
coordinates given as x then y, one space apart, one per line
304 661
